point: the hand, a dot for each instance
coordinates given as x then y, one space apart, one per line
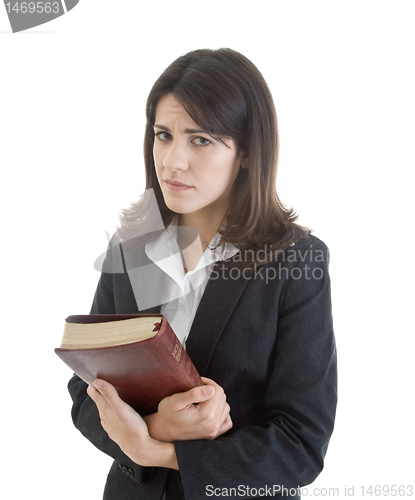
201 413
128 429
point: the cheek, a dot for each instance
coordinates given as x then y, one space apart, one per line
218 165
225 170
157 169
158 163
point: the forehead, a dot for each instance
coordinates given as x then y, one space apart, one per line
171 114
169 109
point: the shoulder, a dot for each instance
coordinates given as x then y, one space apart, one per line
124 254
306 246
303 265
309 256
303 270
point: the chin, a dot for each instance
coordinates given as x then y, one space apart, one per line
179 208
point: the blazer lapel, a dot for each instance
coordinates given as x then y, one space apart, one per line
152 310
216 306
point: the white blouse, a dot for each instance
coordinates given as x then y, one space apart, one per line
185 290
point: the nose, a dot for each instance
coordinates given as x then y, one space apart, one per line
175 158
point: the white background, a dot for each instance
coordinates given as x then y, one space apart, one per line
72 99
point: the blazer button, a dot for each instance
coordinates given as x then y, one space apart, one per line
127 471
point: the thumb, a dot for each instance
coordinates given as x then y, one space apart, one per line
196 395
200 394
107 390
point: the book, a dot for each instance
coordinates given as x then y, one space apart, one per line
139 354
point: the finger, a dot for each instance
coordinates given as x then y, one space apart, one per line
219 394
97 397
214 410
113 404
216 403
102 406
209 381
111 399
182 400
108 391
226 426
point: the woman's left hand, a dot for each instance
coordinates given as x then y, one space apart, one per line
128 429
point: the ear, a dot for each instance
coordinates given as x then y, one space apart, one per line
244 160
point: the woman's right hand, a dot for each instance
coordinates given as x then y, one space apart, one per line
201 413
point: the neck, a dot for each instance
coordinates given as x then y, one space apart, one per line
203 225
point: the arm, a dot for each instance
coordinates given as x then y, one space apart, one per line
210 416
85 414
299 402
201 413
86 419
129 430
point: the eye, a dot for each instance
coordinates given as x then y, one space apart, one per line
163 136
201 141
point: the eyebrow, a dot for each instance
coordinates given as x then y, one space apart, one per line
187 131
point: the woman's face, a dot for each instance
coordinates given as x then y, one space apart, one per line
196 172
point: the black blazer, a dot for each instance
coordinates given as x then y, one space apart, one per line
267 338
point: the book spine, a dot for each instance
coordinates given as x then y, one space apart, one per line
177 354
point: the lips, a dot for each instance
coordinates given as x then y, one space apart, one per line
176 186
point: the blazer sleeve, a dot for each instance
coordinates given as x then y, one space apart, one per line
299 406
85 413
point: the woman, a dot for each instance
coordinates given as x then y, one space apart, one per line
254 312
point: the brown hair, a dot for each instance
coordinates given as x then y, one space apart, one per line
227 96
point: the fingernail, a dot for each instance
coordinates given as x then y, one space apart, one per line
208 390
98 384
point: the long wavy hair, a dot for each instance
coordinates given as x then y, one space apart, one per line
227 96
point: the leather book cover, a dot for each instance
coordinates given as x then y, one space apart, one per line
143 372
